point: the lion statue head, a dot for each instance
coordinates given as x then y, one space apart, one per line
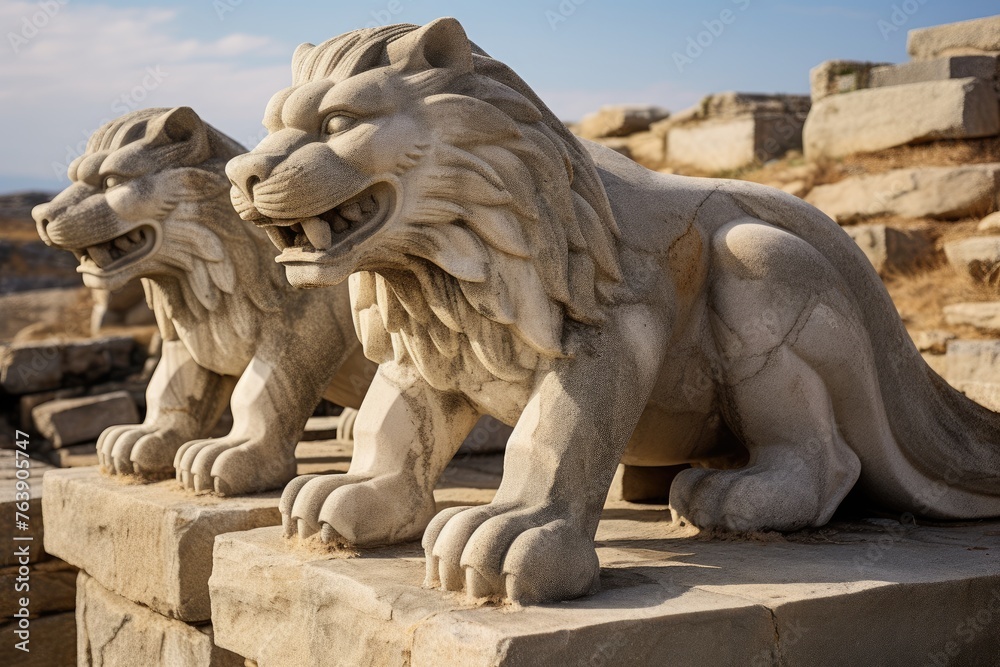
139 200
410 158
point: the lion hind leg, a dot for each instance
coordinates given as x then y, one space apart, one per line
790 345
800 467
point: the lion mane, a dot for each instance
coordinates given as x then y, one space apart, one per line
222 268
509 232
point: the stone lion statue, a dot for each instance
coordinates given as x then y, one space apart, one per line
149 200
499 265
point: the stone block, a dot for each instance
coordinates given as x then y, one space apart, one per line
40 366
890 249
944 193
74 456
719 145
879 118
112 630
31 537
51 588
52 642
938 69
972 361
150 543
978 36
985 316
619 121
75 420
834 77
648 149
977 257
934 342
897 593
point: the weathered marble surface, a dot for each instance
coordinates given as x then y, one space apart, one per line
854 593
499 265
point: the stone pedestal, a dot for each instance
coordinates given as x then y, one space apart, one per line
150 543
867 592
112 630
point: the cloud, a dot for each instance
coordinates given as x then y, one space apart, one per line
89 64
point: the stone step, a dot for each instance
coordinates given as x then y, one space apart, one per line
938 69
116 631
972 361
52 642
149 543
834 77
619 121
984 315
879 118
666 598
892 250
977 257
27 368
978 36
944 193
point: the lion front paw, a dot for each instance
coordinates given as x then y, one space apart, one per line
525 555
355 510
232 466
137 449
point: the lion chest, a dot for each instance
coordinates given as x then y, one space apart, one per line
215 347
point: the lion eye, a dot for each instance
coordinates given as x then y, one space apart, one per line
111 181
338 122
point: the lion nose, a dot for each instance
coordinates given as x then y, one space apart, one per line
42 216
246 171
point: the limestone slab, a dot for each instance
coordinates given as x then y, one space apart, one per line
619 121
965 37
112 630
945 193
39 366
890 249
972 361
984 315
150 543
879 118
724 144
938 69
977 257
34 533
52 642
896 590
834 77
76 420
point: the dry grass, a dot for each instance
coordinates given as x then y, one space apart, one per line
920 298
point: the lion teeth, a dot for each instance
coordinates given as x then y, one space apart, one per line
100 254
340 225
318 233
123 244
277 238
135 236
352 212
369 205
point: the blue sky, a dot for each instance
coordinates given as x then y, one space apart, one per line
68 65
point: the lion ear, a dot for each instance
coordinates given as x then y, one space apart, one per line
177 125
441 43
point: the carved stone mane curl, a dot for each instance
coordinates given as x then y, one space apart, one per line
508 230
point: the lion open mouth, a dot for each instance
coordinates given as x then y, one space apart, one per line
118 253
340 228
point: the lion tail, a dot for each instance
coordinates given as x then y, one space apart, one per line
946 460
